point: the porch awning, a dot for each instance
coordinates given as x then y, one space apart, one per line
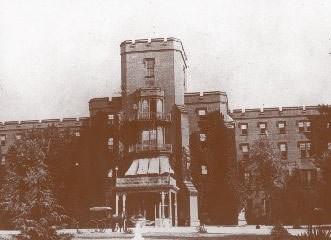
146 166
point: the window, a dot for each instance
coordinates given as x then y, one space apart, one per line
204 170
202 114
281 127
111 118
202 137
263 128
243 129
283 150
328 125
329 146
3 160
301 127
3 140
305 149
149 65
307 126
244 149
77 133
110 142
18 136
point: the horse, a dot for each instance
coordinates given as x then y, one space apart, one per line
118 222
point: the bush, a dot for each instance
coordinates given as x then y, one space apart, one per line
316 234
278 232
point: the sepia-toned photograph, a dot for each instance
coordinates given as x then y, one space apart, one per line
163 119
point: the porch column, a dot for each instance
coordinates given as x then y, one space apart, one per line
116 202
162 204
124 200
170 208
175 205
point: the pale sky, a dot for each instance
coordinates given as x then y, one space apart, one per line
56 55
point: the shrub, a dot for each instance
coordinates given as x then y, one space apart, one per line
315 234
278 232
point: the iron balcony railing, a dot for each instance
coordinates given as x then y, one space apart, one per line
150 116
137 148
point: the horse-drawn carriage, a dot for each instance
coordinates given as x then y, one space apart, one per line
102 218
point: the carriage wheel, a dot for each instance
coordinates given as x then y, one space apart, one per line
92 226
101 227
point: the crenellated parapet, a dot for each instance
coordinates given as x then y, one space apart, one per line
28 124
274 112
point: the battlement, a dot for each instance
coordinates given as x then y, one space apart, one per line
105 105
205 97
274 112
25 124
153 44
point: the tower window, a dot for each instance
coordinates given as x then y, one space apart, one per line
202 113
149 64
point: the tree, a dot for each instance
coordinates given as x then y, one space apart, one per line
265 174
27 193
214 151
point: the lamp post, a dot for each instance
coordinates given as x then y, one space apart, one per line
116 169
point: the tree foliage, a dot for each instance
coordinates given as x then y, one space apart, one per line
264 174
28 190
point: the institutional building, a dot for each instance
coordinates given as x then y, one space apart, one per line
156 116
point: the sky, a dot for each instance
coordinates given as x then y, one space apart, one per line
57 55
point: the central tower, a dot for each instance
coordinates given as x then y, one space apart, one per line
153 85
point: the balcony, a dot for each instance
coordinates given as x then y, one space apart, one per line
150 116
146 181
140 148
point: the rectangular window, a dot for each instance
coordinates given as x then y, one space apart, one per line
243 129
18 136
245 153
3 160
262 128
202 137
149 64
111 118
3 140
301 127
308 127
204 170
329 146
77 133
305 149
281 126
110 143
283 150
202 114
